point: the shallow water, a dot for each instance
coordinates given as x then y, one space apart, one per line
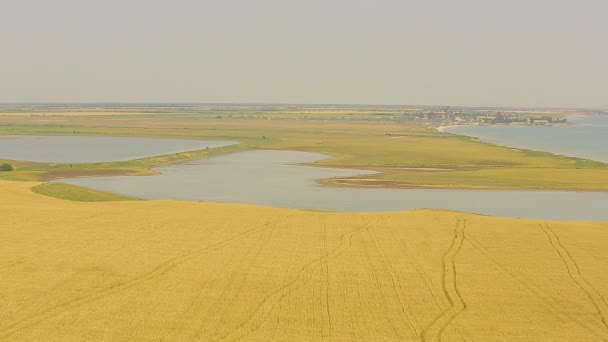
588 138
262 177
91 149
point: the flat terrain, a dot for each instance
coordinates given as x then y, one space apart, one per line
184 271
353 138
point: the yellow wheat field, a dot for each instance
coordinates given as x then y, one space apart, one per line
183 271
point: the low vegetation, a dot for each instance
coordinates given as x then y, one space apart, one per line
77 193
400 151
184 271
6 167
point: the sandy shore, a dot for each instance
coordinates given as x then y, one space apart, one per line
443 128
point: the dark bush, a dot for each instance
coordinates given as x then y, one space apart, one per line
6 167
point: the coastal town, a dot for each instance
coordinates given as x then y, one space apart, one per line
447 116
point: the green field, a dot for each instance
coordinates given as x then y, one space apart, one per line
400 151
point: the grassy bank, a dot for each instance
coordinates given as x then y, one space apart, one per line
77 193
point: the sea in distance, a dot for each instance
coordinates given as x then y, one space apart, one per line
587 137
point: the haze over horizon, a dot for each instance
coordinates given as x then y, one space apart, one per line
470 53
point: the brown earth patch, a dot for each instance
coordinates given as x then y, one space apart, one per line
379 183
371 183
385 167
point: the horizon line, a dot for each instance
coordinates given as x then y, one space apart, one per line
188 103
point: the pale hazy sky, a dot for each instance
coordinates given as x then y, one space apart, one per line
442 52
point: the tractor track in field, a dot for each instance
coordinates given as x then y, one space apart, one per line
285 278
395 283
550 301
449 286
416 267
574 273
159 270
327 310
347 303
233 288
196 301
193 308
378 287
270 303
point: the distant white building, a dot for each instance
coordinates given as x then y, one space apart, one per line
541 122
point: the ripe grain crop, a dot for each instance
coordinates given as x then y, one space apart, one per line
184 271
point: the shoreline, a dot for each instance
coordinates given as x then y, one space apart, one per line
443 129
389 184
515 145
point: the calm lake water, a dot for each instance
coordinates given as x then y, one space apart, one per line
90 149
588 138
266 178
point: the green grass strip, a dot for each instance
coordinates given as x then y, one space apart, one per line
77 193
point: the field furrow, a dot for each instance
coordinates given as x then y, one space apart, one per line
450 287
574 272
